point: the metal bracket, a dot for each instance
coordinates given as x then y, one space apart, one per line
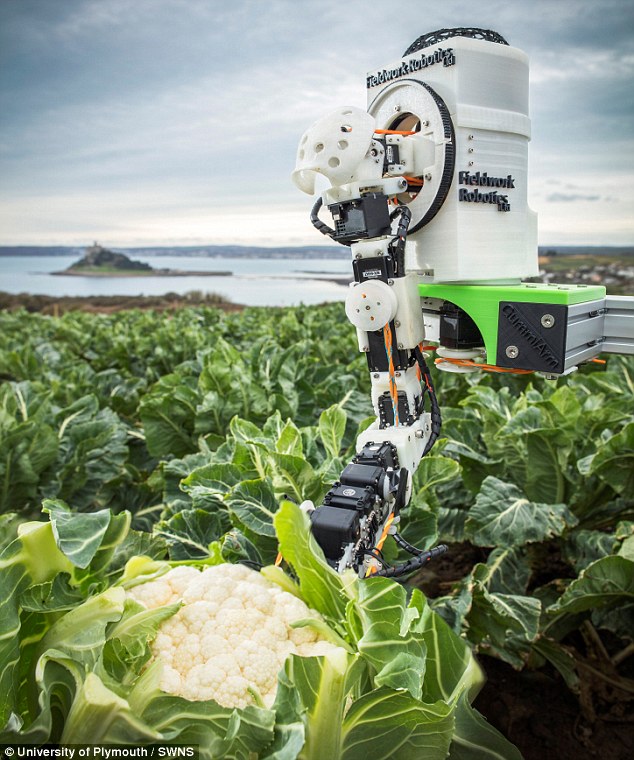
618 325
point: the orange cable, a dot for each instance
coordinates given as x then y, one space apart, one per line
485 367
388 524
392 132
387 338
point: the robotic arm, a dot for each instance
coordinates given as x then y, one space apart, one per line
429 190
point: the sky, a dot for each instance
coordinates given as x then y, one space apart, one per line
176 122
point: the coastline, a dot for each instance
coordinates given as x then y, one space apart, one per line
140 273
57 305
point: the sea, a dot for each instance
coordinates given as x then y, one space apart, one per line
253 281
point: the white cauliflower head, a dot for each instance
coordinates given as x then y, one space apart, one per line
231 636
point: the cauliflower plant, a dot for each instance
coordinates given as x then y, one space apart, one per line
231 636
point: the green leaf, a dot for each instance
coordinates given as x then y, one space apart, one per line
545 480
321 587
322 685
254 503
294 477
92 453
191 532
432 471
451 668
236 547
560 658
420 525
395 651
476 739
604 583
503 516
53 596
585 546
33 558
503 624
506 571
627 548
168 413
614 461
79 536
216 479
81 632
332 426
289 440
98 715
219 732
392 725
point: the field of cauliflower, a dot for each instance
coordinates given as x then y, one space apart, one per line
150 468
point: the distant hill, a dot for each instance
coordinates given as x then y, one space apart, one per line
100 262
98 258
586 250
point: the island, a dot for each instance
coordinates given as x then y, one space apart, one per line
100 262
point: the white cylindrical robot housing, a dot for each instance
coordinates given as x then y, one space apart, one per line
470 220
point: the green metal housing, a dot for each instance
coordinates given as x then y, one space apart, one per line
482 302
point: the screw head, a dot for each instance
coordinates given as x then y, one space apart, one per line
397 323
548 320
512 352
428 176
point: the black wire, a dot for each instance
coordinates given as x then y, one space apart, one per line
401 236
382 562
436 417
414 564
319 225
406 545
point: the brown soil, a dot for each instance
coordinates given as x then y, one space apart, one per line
536 711
534 708
109 304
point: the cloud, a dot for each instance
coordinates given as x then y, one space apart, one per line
153 106
571 197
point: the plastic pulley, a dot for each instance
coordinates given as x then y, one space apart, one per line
371 305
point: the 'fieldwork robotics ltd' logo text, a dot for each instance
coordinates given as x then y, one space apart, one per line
483 180
444 56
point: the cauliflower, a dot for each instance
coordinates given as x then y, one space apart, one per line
231 636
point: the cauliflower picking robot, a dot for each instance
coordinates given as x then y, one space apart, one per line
429 190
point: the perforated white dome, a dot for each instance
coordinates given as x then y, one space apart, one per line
334 146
